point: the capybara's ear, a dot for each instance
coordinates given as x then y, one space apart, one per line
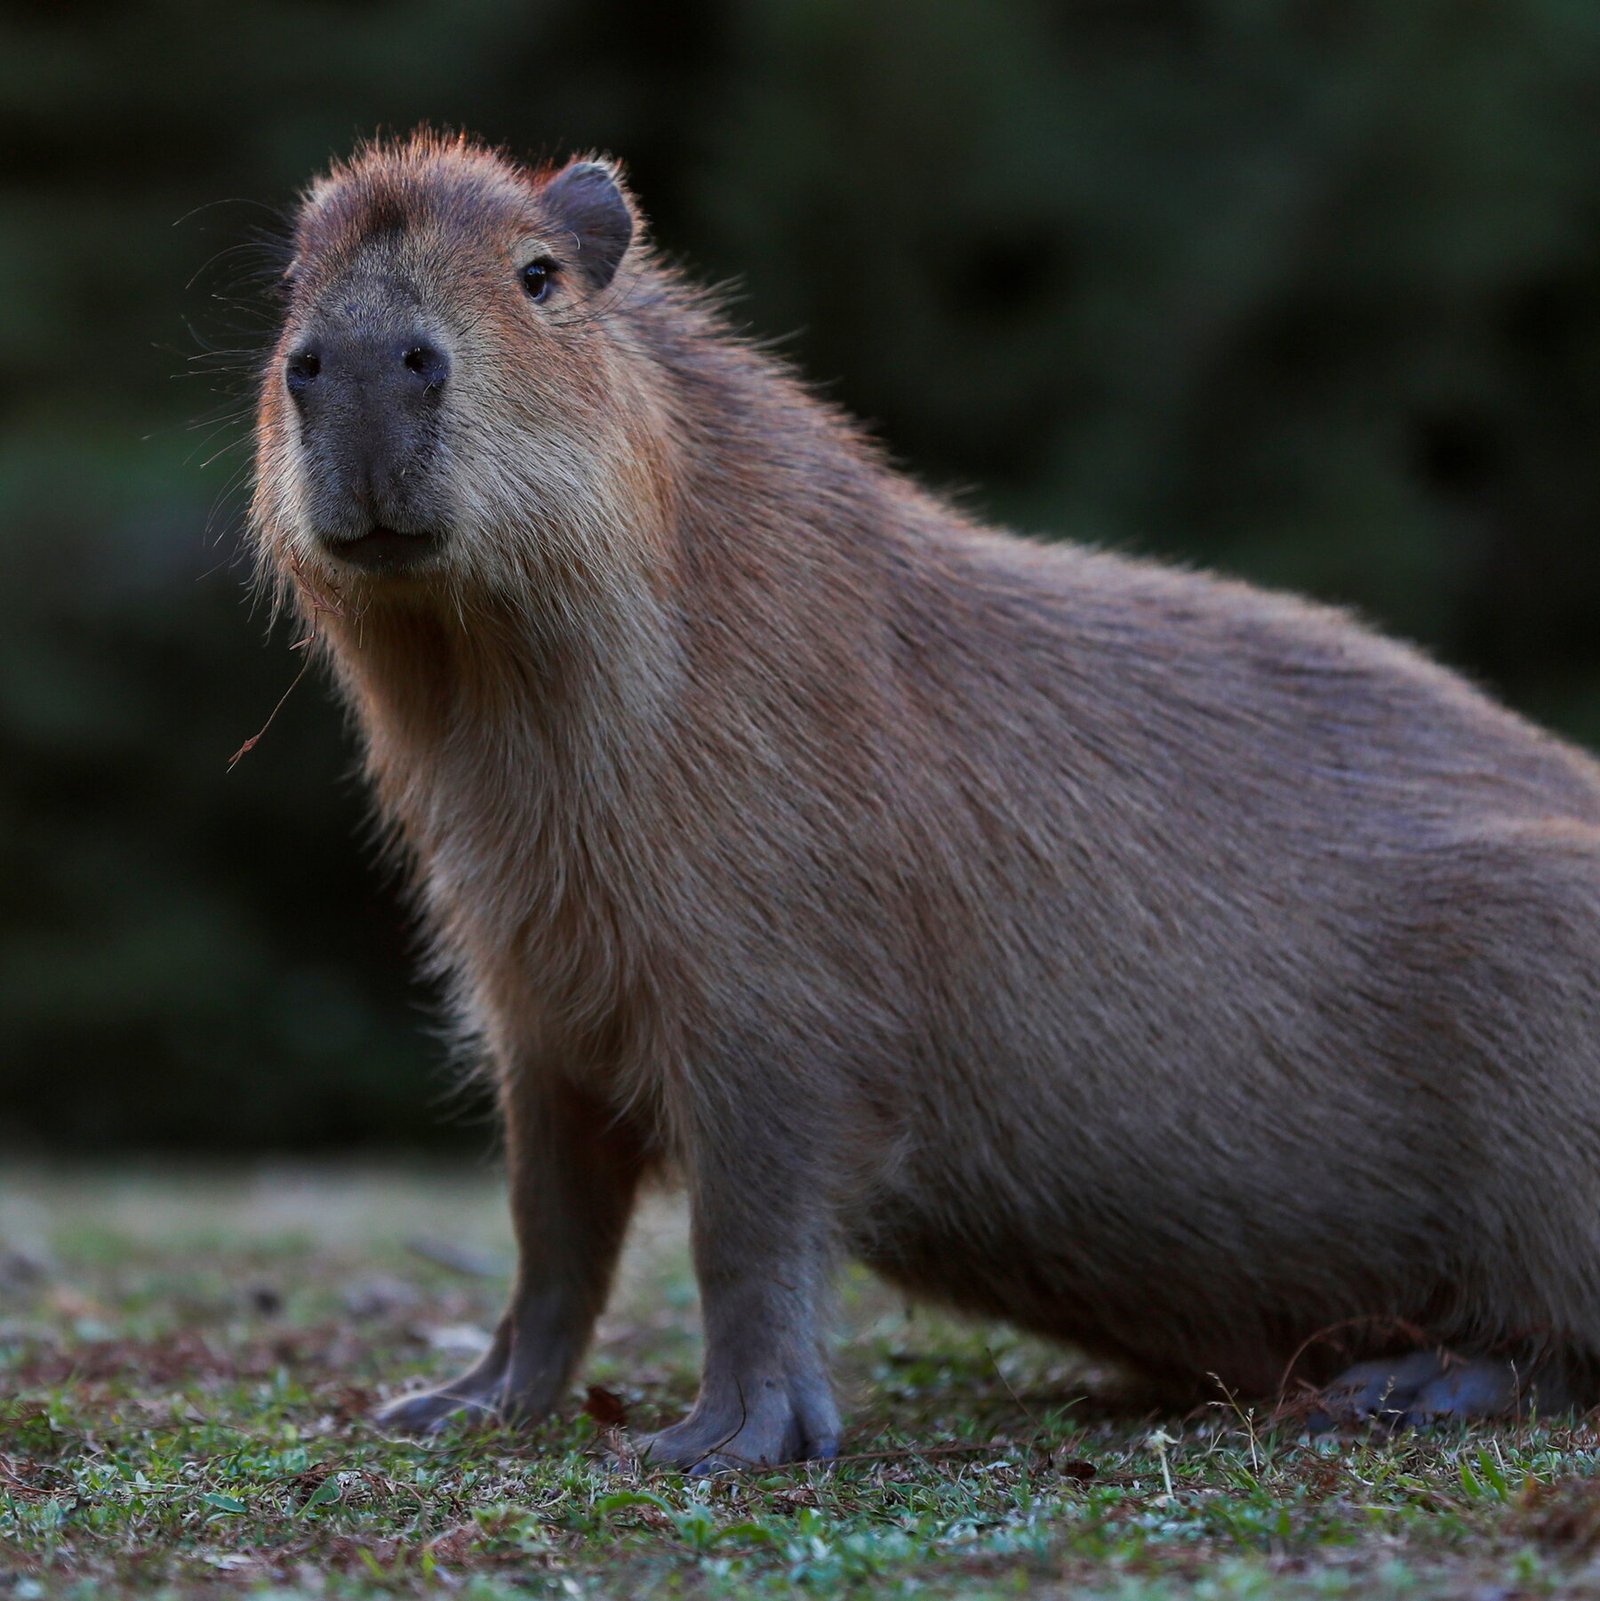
588 200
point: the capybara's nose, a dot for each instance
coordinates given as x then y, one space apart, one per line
427 364
401 368
367 392
302 370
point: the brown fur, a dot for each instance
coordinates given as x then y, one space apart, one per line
1167 966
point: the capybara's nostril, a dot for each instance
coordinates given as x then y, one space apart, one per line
429 365
301 370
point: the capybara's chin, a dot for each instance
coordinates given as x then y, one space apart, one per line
1174 968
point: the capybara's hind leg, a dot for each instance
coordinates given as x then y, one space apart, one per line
1382 1390
1430 1387
574 1172
1488 1387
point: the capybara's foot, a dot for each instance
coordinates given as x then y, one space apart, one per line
1487 1388
483 1393
517 1380
1430 1387
427 1411
1379 1391
783 1424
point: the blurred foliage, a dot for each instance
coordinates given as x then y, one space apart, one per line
1307 290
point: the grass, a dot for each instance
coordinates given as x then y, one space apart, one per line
187 1363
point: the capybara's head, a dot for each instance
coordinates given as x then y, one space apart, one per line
452 401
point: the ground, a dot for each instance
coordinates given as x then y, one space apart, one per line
187 1362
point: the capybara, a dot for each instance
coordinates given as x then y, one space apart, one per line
1174 968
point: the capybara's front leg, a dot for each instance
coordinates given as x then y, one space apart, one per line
762 1237
574 1169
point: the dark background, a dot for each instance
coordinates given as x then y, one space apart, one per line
1309 291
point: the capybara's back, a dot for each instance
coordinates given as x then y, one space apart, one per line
1171 967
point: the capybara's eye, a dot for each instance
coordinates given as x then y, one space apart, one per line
537 276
